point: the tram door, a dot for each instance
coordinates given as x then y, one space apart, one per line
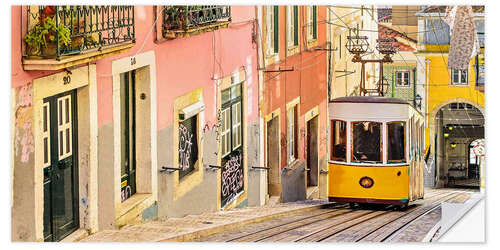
60 183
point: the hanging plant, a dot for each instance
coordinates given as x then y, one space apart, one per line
43 37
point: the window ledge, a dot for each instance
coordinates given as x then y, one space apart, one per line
312 43
40 63
292 50
458 85
271 59
173 34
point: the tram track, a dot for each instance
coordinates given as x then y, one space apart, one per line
339 223
355 231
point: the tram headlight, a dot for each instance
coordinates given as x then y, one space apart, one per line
366 182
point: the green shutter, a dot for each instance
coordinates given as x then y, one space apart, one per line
315 23
295 25
276 29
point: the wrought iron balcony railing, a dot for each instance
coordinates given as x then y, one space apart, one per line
185 18
55 31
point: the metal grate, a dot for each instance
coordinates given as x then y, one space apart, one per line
186 17
89 27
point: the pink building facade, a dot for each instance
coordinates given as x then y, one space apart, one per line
164 122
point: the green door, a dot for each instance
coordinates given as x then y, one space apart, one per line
232 175
60 184
127 109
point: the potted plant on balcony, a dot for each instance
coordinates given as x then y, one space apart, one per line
43 37
176 17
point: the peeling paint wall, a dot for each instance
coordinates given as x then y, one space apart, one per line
24 143
23 215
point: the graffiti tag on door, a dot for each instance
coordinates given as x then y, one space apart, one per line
232 177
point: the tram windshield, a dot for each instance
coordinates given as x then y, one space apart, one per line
366 142
339 139
396 142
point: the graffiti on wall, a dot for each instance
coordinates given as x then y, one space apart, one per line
185 144
126 193
23 122
232 177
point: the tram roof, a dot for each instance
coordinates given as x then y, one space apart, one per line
369 99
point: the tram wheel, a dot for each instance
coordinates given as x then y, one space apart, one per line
352 205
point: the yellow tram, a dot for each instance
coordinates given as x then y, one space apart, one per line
376 151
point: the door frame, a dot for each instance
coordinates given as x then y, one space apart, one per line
237 77
144 65
83 79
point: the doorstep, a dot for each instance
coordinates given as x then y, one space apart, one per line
130 210
76 235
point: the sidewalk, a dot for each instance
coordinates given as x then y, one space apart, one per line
195 226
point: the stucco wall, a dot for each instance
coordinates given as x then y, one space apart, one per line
182 65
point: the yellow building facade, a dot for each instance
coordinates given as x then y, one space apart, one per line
447 90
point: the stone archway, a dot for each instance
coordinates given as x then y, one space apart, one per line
436 129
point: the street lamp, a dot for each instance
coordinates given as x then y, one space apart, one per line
418 101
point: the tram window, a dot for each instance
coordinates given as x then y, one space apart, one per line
338 140
366 142
396 142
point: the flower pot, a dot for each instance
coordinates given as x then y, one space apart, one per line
49 51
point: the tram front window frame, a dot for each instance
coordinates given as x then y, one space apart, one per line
358 156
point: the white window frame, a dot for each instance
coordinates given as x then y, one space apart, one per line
290 24
64 127
236 134
291 134
310 30
270 30
226 129
459 74
46 133
401 75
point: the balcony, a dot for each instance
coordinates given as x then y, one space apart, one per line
184 21
58 37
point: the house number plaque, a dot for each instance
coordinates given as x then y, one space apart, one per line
66 80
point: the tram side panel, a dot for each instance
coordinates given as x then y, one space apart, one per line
390 184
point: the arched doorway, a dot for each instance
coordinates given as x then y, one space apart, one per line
454 126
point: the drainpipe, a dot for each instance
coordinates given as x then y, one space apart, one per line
414 87
427 61
260 65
